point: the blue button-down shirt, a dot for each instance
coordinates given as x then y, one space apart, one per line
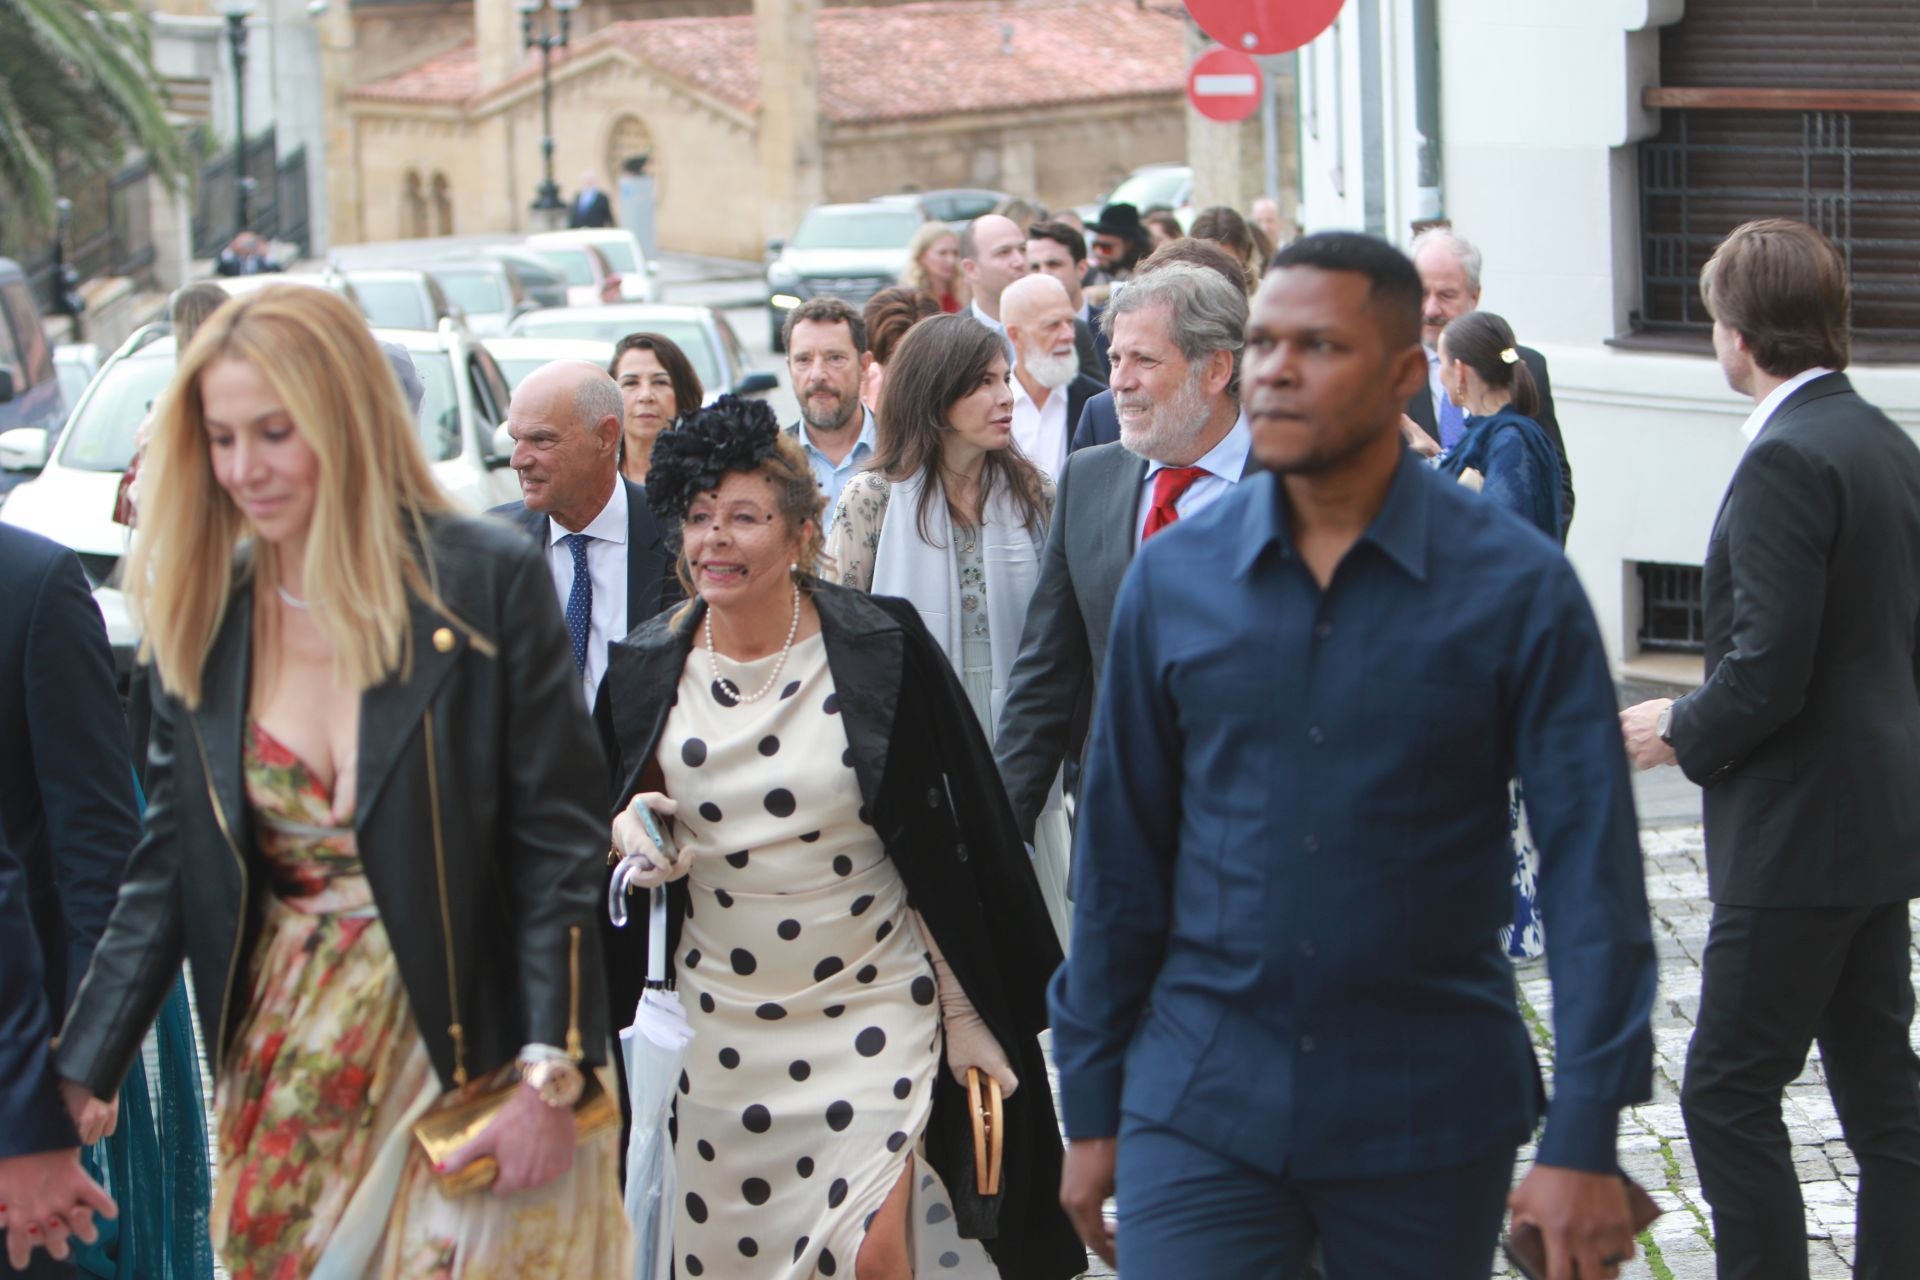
833 476
1293 857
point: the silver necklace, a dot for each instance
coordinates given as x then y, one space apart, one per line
291 600
731 689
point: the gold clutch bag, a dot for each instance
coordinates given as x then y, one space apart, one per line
447 1128
989 1131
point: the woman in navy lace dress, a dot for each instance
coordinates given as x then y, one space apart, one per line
1505 454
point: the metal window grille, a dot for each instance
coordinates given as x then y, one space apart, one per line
1853 174
1672 619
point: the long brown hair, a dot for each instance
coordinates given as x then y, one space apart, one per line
939 363
364 550
1483 342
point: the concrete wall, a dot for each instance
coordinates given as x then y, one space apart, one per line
1540 165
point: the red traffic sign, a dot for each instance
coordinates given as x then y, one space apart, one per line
1224 85
1264 26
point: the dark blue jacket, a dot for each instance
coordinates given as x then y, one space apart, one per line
1292 861
1518 465
1099 423
67 813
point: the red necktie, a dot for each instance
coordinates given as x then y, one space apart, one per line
1168 484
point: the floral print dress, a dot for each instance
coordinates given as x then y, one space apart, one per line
318 1173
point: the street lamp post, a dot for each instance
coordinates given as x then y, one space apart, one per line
547 199
237 12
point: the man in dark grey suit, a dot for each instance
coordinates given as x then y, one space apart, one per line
1184 443
612 567
1450 288
1806 738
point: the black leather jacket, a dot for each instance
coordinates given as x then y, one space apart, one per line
490 728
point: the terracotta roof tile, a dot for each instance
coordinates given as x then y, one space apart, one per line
940 58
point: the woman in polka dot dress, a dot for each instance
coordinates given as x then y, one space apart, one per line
839 981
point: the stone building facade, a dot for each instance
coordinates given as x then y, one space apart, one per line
1053 100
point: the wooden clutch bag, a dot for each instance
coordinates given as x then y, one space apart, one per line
989 1134
446 1129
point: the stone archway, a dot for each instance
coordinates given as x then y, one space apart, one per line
442 205
413 209
628 138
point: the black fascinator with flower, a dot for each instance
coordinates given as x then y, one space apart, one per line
730 434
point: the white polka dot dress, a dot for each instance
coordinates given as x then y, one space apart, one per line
809 1080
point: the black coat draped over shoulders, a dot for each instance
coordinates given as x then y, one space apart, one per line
933 795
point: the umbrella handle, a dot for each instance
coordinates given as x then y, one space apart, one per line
657 936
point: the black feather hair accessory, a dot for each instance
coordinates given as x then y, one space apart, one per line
730 434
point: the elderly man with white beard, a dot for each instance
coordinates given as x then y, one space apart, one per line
1177 334
1048 388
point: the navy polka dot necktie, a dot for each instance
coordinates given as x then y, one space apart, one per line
579 599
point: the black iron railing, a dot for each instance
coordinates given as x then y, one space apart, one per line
1848 164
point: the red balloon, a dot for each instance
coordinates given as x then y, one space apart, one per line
1264 26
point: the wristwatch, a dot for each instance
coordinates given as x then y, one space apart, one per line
556 1080
1663 727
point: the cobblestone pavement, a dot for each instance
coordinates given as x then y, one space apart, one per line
1653 1141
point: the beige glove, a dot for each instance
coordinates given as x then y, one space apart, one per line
969 1042
644 864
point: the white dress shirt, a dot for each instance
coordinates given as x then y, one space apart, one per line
1042 430
1224 465
607 570
1763 412
1436 392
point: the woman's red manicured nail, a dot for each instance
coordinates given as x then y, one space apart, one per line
33 1228
441 1167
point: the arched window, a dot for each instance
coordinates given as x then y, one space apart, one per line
442 206
413 208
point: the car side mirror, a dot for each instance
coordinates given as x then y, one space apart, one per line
774 246
23 448
6 385
500 450
756 383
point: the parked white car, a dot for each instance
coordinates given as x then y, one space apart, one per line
519 357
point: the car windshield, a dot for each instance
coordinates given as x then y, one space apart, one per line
958 206
573 263
394 304
478 293
515 368
439 407
101 436
689 335
74 376
1155 186
875 228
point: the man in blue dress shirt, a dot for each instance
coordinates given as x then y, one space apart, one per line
1287 1015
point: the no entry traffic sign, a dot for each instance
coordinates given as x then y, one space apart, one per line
1264 26
1224 85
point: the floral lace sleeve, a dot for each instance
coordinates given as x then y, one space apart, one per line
853 536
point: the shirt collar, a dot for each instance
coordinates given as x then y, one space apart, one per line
1227 459
1763 412
609 526
867 441
987 320
1399 530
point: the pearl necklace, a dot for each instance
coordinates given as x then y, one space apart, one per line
733 690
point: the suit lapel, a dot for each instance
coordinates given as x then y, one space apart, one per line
1121 521
1420 409
646 557
390 712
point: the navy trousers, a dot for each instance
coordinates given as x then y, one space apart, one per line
1185 1211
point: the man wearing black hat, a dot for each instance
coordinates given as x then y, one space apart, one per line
1119 242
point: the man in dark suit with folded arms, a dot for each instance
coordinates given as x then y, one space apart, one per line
1806 738
67 815
1287 1016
